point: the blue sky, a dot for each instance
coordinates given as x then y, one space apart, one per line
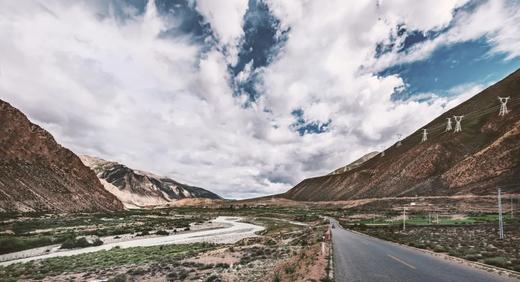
450 66
247 98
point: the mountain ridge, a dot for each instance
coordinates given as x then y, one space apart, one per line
447 163
138 189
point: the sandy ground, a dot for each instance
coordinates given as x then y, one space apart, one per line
233 231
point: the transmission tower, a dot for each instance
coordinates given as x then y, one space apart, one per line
458 127
503 106
448 125
424 135
398 140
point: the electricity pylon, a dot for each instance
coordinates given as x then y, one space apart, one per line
458 127
424 135
398 140
448 125
503 106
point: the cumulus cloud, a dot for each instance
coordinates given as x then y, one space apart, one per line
119 87
226 20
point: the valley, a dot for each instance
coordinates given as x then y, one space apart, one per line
187 243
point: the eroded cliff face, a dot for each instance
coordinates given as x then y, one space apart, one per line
484 156
142 189
38 174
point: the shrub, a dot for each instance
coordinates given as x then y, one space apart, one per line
212 278
496 261
10 244
144 233
289 269
72 242
222 265
277 277
97 242
473 257
162 232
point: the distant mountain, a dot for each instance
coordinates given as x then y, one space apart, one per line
37 174
484 156
355 163
142 189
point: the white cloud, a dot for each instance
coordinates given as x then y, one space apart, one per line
118 90
497 21
226 19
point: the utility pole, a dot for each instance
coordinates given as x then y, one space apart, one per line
503 106
437 218
511 206
424 135
458 127
500 220
429 217
404 218
448 125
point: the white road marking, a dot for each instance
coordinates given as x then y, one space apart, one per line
403 262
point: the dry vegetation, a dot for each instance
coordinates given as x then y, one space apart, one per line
287 250
464 238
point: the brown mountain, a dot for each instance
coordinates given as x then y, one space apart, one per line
137 189
37 174
355 163
484 156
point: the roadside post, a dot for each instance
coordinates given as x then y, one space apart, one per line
500 220
404 218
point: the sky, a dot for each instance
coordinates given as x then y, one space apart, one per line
247 98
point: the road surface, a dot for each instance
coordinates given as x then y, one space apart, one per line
362 258
233 232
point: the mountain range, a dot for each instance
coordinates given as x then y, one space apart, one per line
135 188
482 157
39 175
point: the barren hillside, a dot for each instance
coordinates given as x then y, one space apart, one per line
484 156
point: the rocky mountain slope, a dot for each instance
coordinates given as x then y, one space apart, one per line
37 174
141 189
355 163
484 156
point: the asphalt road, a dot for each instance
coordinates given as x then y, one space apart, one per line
362 258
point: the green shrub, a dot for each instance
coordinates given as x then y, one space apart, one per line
162 233
82 242
277 277
11 244
496 261
97 242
